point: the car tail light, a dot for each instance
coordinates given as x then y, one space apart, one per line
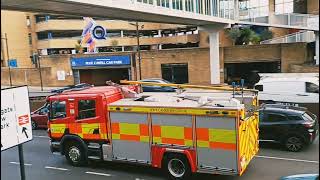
308 124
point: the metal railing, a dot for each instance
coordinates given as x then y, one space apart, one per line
307 21
301 36
217 8
228 9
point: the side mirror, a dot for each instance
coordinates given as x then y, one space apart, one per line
48 114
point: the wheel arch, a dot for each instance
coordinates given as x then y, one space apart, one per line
72 138
188 154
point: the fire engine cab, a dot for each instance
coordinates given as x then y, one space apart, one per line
183 133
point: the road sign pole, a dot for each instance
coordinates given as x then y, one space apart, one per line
21 160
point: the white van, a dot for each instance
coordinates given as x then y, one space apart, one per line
299 89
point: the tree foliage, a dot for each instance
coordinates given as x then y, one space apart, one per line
245 36
266 34
234 34
78 47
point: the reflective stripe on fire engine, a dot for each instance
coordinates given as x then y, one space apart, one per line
130 132
172 110
248 137
58 128
172 135
216 142
216 138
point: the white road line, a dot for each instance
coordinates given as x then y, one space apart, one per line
19 163
100 174
41 137
56 168
288 159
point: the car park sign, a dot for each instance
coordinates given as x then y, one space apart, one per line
15 117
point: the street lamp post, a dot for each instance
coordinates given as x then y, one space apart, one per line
138 49
38 58
138 46
8 60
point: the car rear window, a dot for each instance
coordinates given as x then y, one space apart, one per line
306 116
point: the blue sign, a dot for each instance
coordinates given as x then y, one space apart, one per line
13 63
100 61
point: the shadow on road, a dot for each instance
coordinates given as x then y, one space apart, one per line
136 170
271 145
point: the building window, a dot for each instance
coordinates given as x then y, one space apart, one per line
283 6
86 109
253 8
30 38
175 73
189 5
28 21
163 3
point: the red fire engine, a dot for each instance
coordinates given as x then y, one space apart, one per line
183 133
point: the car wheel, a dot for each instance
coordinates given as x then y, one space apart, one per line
294 143
75 154
34 125
177 166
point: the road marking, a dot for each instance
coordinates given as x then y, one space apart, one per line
56 168
42 137
100 174
26 164
288 159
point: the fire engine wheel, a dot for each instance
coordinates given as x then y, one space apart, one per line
177 166
75 154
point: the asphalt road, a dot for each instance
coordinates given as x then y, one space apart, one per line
41 164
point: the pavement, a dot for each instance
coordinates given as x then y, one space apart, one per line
271 163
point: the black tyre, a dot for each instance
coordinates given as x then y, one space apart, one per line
34 125
294 143
75 154
177 166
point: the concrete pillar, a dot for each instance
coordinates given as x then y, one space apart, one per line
159 33
121 33
122 48
214 65
317 47
76 76
160 46
271 11
236 9
214 57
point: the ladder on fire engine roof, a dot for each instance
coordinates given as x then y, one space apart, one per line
181 86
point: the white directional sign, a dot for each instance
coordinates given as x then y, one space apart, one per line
15 117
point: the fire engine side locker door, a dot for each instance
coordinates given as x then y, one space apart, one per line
130 136
216 144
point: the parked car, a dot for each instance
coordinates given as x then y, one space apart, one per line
150 88
302 177
39 117
294 127
81 85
